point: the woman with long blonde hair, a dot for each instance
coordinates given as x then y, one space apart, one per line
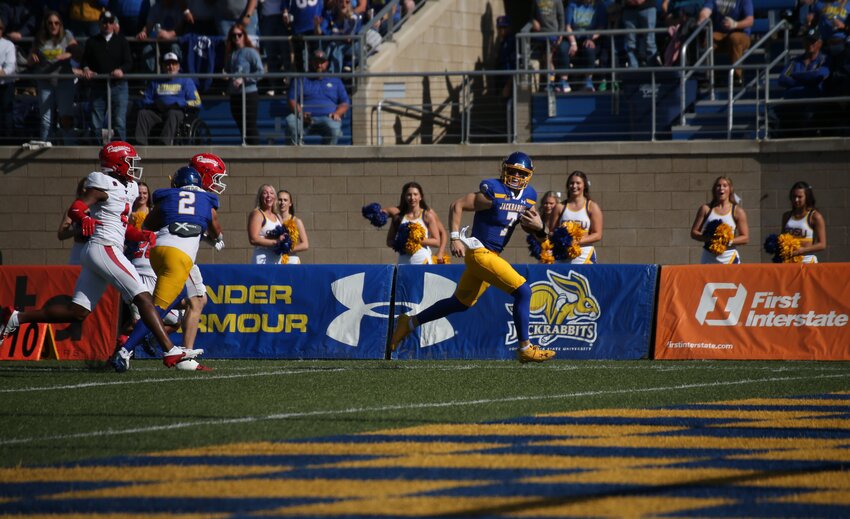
262 222
724 208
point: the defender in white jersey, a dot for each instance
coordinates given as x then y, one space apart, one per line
805 222
414 209
102 214
723 207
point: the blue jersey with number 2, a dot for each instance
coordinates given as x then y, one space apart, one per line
494 227
186 206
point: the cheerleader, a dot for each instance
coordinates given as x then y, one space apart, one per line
414 209
581 209
805 222
724 206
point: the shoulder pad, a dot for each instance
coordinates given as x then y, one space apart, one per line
487 189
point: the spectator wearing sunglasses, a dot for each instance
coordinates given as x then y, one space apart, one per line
241 59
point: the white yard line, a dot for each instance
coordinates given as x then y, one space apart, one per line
399 407
200 378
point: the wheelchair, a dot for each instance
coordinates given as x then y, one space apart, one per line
193 131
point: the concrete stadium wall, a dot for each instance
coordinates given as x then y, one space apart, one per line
649 192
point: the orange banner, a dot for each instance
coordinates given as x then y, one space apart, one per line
30 287
793 312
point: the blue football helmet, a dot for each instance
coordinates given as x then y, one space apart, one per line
517 170
187 176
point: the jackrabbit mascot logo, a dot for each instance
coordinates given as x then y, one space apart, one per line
561 308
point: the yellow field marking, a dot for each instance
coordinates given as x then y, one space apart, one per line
272 488
528 430
802 423
693 442
727 414
395 448
816 454
824 497
624 506
508 461
835 479
785 402
403 506
643 476
615 506
131 474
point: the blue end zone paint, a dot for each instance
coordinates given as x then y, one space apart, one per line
747 407
424 473
615 452
124 506
769 510
761 432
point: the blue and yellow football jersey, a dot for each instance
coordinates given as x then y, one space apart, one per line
186 206
495 226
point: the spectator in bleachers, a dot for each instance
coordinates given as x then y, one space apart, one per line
84 16
831 20
641 49
342 22
242 12
132 13
383 25
273 36
163 25
507 57
318 104
107 55
240 57
804 78
8 64
165 103
548 16
301 18
586 15
680 17
199 18
732 20
18 18
53 51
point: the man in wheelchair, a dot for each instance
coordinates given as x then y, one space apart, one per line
166 103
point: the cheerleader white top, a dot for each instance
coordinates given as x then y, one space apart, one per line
581 217
266 255
802 229
730 255
423 255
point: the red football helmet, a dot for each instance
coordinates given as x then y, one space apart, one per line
121 157
212 170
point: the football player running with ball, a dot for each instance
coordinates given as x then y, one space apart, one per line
499 205
181 217
102 214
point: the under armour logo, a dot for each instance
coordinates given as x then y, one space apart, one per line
345 327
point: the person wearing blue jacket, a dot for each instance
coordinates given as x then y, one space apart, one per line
804 78
165 102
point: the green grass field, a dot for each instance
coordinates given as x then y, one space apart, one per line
68 414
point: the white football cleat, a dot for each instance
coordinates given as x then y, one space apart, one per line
192 365
191 354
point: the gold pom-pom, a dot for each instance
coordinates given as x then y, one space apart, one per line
720 240
788 244
575 230
292 229
414 238
546 255
441 260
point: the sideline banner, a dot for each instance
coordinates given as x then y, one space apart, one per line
761 312
580 311
296 311
29 287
